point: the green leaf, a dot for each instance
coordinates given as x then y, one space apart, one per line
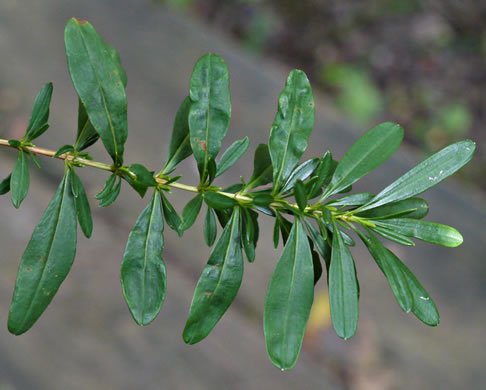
346 238
393 236
210 112
14 143
316 263
292 127
46 260
107 188
218 201
434 233
191 211
86 135
218 284
317 239
416 208
302 172
232 155
262 168
180 143
300 195
144 176
371 150
171 216
99 84
5 185
210 228
112 196
83 210
143 273
63 149
343 288
248 235
426 174
323 174
410 294
289 300
40 113
276 232
357 199
20 180
262 198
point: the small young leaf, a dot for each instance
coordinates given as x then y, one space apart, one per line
393 236
218 201
248 235
210 112
86 135
180 145
98 82
143 272
63 149
83 210
276 232
14 143
426 174
20 180
232 155
300 195
112 196
302 172
211 170
107 188
292 127
370 151
416 208
218 285
409 293
40 113
434 233
191 211
262 168
46 260
5 185
289 299
323 174
210 228
171 216
343 288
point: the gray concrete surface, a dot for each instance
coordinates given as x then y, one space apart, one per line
87 340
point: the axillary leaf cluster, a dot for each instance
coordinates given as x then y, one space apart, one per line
313 218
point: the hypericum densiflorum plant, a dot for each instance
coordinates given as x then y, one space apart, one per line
312 217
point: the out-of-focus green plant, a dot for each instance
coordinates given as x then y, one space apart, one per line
305 199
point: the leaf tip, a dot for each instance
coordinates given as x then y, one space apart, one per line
80 21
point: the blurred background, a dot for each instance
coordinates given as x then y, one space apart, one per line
421 64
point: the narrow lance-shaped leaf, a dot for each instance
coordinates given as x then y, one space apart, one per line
171 216
289 300
408 291
40 113
393 236
143 272
180 145
371 150
426 174
218 285
191 211
300 195
292 126
98 82
262 168
210 228
302 172
434 233
343 288
83 210
20 180
232 155
5 185
416 208
46 260
218 201
210 112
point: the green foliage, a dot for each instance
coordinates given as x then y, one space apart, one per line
280 187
